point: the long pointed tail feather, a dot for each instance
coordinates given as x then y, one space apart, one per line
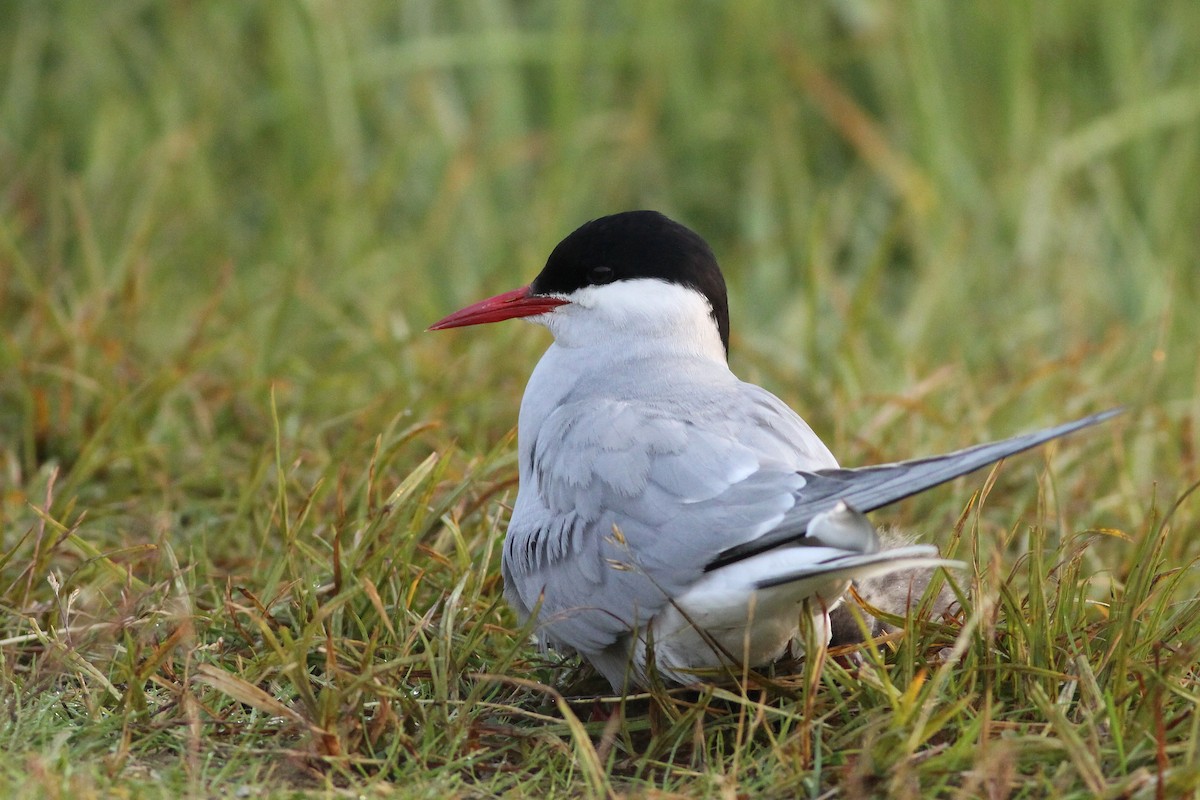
868 565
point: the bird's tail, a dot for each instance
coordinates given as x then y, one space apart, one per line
864 566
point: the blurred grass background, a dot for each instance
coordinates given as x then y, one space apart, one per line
224 227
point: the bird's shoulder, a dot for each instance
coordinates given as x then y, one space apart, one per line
693 435
713 466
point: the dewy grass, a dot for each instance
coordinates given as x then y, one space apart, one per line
251 518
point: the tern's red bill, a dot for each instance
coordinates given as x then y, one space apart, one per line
510 305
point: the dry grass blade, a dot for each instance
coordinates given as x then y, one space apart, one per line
243 691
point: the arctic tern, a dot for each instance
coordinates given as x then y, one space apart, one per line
670 518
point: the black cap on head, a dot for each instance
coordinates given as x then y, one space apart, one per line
636 244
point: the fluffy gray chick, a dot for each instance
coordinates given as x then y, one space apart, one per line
894 593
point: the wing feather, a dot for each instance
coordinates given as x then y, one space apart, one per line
869 488
645 501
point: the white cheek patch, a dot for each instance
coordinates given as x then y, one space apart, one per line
644 297
640 308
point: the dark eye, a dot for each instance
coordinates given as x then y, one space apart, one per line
599 275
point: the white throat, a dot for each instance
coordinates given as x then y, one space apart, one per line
637 317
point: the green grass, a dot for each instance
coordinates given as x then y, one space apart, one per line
251 514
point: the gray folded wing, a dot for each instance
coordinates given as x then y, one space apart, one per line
623 506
